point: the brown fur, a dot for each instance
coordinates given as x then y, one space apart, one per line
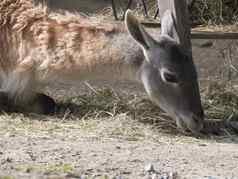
39 47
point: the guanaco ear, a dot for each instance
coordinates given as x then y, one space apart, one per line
137 31
168 26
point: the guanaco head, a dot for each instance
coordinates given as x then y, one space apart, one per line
168 74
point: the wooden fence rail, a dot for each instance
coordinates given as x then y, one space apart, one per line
213 35
198 34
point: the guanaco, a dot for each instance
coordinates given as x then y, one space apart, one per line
38 47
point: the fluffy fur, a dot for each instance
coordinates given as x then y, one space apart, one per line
38 47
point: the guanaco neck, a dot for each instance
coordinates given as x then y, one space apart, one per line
69 52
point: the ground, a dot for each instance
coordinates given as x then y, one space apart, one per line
53 147
59 149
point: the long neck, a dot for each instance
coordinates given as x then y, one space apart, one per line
119 59
69 51
113 57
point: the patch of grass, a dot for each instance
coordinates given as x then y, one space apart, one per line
106 113
220 101
106 103
59 168
101 102
215 11
7 177
48 168
101 112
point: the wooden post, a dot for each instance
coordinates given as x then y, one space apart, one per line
114 10
179 9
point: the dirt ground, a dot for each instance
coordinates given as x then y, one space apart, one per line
118 146
71 146
58 149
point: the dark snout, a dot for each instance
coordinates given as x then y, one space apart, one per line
191 107
198 119
193 119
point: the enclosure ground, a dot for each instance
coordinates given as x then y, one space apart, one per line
89 142
120 146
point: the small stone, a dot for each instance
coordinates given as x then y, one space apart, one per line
118 177
164 177
210 177
202 145
9 160
28 170
118 147
149 168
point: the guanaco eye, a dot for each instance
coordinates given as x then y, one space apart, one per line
169 77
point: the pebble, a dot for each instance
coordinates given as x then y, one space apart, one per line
210 177
165 177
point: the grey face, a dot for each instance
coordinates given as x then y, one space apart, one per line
169 76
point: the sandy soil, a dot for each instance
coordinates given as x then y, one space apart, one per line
73 154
